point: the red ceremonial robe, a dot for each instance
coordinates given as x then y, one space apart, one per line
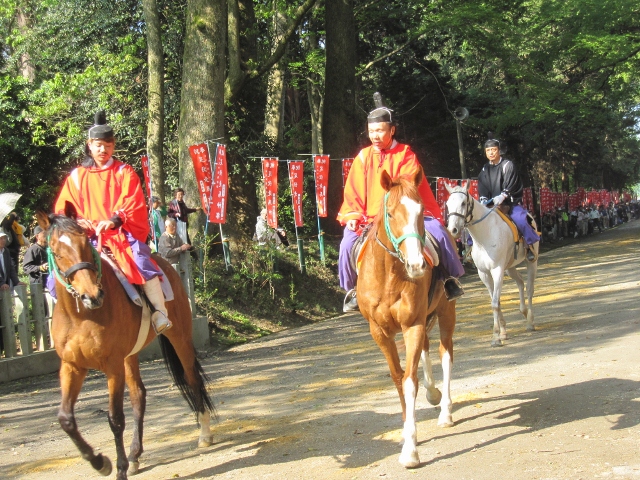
102 193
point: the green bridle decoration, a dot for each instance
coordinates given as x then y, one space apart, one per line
397 241
62 277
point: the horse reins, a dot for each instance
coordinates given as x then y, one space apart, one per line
396 241
469 214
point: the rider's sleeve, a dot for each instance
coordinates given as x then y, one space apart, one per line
409 166
130 206
484 189
511 183
355 193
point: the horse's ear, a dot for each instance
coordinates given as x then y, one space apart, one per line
385 181
418 176
448 187
70 210
43 219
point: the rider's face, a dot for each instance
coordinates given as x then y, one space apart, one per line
101 150
381 134
493 154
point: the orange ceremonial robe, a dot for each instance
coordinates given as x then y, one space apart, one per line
101 194
363 193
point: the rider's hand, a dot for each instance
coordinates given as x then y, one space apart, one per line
498 199
185 246
484 200
4 287
85 224
104 225
352 224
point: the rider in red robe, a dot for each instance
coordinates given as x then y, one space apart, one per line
108 197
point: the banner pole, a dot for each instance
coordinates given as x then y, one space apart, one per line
300 242
226 252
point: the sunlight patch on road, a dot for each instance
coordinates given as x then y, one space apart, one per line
42 466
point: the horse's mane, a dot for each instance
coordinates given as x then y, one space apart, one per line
400 187
65 224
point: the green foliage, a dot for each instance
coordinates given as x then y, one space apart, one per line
265 292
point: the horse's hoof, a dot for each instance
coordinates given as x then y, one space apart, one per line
205 441
446 422
435 397
497 343
106 466
134 467
531 328
409 460
503 336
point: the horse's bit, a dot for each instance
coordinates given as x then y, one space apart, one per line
395 241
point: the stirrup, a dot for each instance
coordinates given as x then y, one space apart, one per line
531 254
350 302
160 322
453 289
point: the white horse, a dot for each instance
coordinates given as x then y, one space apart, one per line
493 253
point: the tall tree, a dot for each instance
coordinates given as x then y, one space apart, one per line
155 101
203 74
339 119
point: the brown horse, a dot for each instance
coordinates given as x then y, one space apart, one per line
397 292
95 326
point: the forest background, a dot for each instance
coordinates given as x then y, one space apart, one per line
556 81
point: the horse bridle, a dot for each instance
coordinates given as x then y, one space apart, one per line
396 241
468 216
63 277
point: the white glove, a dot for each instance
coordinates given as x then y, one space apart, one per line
498 199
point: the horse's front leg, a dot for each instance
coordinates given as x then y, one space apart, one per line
115 382
71 379
433 394
138 395
499 325
532 270
414 342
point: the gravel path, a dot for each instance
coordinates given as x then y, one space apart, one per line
317 402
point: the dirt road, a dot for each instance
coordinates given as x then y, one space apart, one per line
317 402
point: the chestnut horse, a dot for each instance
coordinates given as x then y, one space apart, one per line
397 292
95 326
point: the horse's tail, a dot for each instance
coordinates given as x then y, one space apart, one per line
197 398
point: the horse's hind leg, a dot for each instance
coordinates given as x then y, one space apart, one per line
433 394
115 381
532 270
447 324
138 395
71 379
513 273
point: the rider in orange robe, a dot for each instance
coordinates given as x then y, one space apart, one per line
363 196
108 198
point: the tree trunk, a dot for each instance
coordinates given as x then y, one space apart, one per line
339 120
26 68
202 96
155 101
274 110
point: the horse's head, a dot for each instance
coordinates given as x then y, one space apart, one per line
460 209
72 259
403 221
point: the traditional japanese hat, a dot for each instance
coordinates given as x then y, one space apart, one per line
100 129
380 114
491 141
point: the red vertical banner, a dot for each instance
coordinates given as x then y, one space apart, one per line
346 167
565 199
218 211
321 174
546 200
202 167
473 188
527 199
296 179
442 194
270 176
582 195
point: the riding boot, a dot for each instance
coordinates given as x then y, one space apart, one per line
531 254
350 302
452 288
159 318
